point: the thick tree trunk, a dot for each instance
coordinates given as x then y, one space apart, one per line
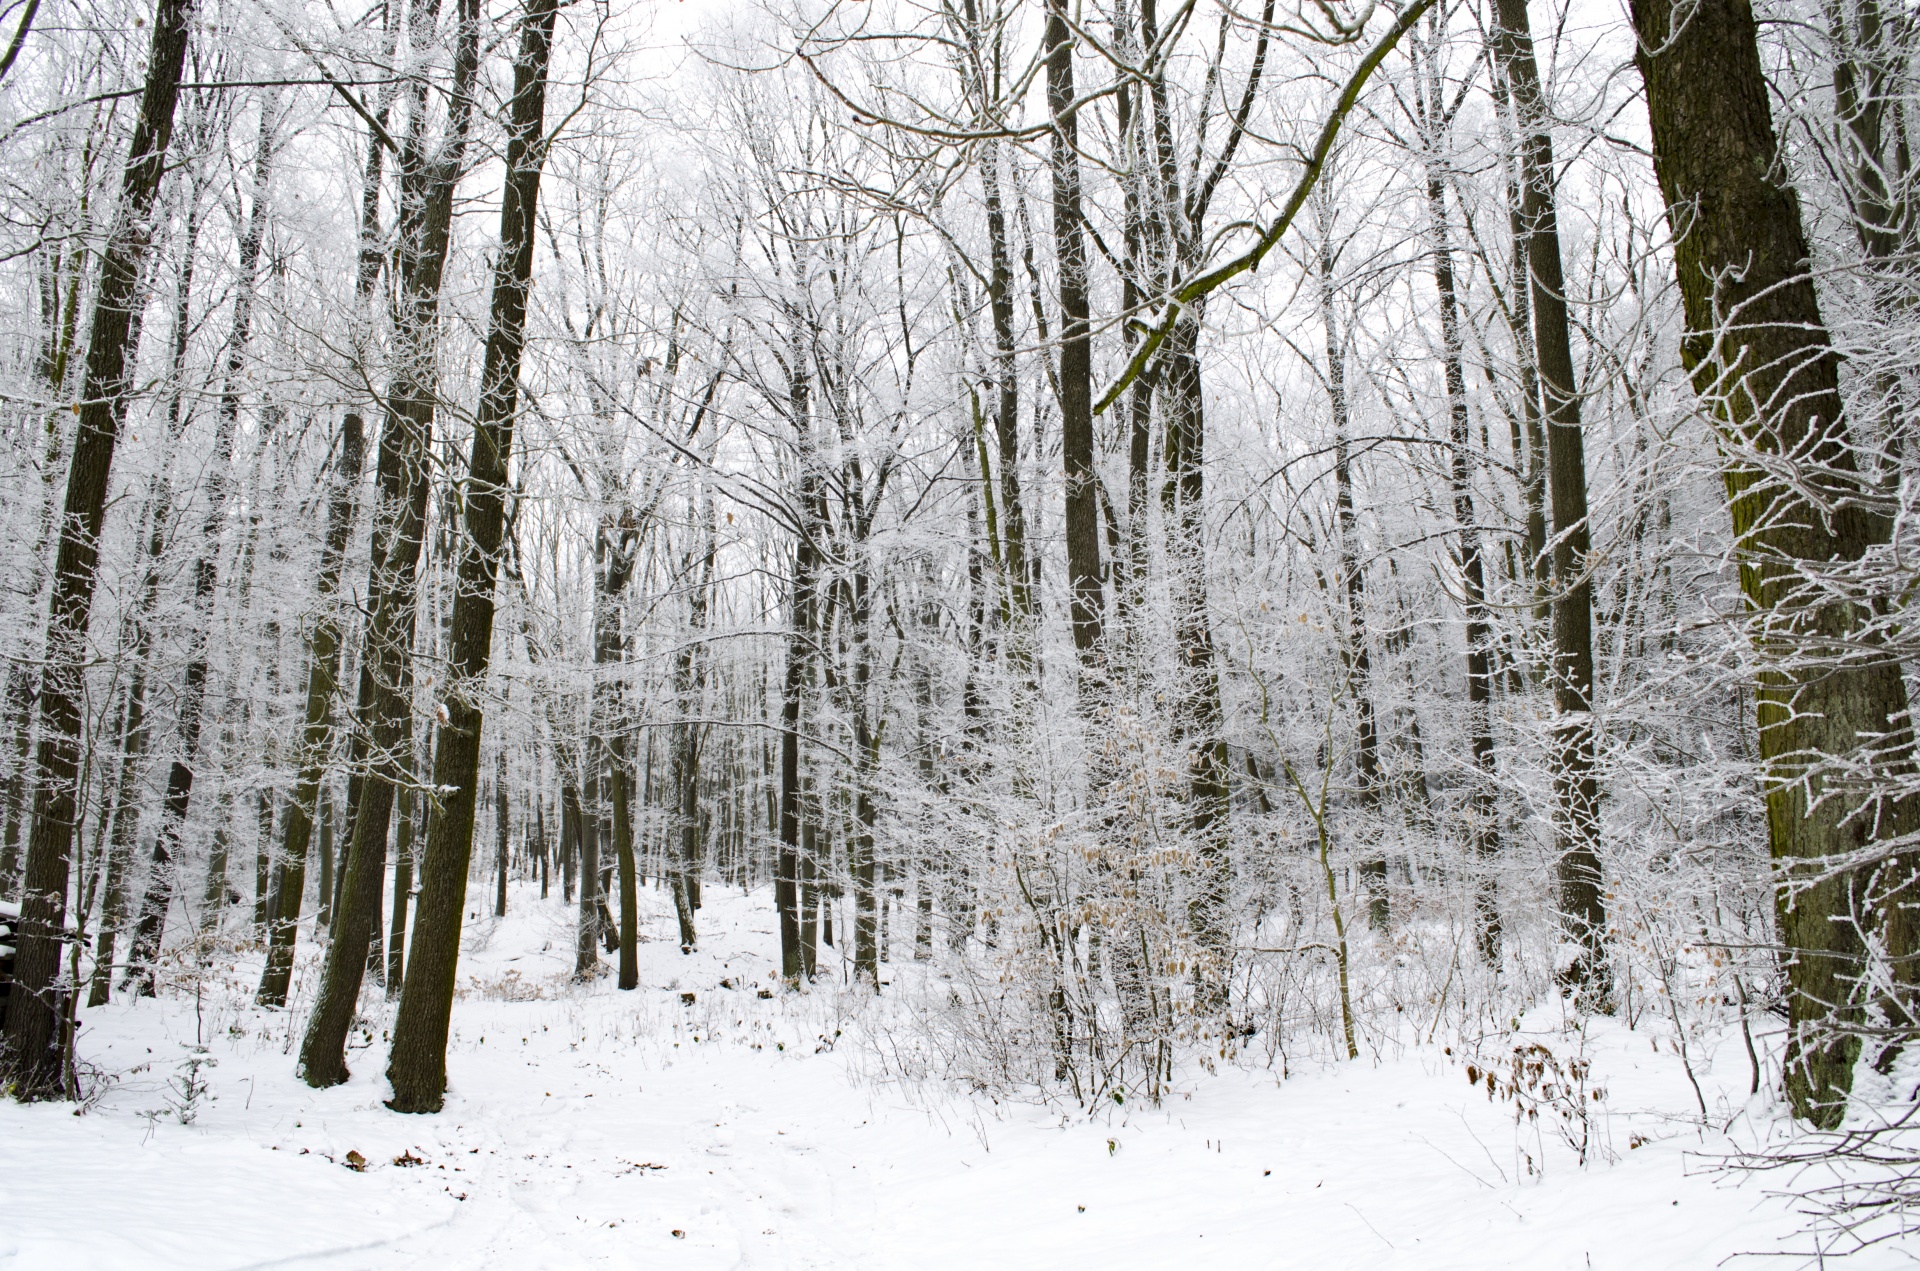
402 474
417 1065
35 1060
1583 913
1758 351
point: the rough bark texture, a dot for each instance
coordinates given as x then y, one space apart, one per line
1758 352
425 232
1583 913
1076 346
417 1065
33 1057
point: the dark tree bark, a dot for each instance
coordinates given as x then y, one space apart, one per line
1761 361
689 683
1087 603
402 478
1583 912
614 546
34 1057
801 640
500 831
323 670
417 1067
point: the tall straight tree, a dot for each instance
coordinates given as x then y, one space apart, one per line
34 1058
1434 121
801 641
1583 911
417 1065
425 232
1758 351
1086 601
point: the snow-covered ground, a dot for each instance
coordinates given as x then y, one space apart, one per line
591 1128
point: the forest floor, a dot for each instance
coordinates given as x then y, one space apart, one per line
587 1127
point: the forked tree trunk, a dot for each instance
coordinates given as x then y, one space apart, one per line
35 1059
1758 351
425 232
417 1066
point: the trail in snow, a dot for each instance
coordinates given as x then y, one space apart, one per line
593 1128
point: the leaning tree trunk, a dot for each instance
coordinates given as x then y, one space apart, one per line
35 1061
417 1066
1758 351
1583 912
425 232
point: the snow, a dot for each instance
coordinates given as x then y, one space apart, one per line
594 1128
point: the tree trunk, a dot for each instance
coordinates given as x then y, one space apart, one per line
425 232
1583 913
324 642
500 830
1483 831
1353 594
417 1065
125 808
800 644
35 1059
1076 348
1758 351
